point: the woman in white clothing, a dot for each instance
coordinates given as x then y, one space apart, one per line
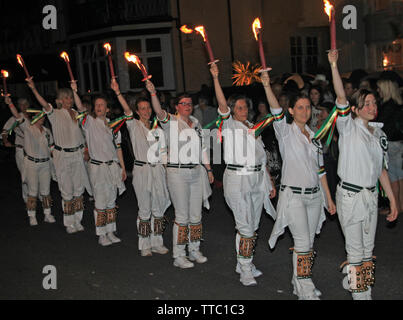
36 168
247 182
362 161
149 175
304 189
188 181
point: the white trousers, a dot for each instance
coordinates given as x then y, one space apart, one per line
358 215
152 195
37 177
186 190
19 160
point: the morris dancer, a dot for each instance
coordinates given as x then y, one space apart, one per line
362 161
13 125
149 175
247 182
304 190
106 166
68 158
36 168
188 180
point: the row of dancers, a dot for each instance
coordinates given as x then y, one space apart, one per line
248 186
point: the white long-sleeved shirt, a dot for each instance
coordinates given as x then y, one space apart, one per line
146 143
102 143
302 160
19 134
66 131
37 143
361 152
186 145
240 145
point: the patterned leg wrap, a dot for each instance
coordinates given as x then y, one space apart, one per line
369 271
159 226
47 202
183 234
111 215
31 204
144 228
78 204
196 232
305 262
356 278
247 247
68 207
101 218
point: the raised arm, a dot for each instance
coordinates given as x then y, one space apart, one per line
13 109
155 102
77 99
222 102
271 98
333 57
122 100
38 97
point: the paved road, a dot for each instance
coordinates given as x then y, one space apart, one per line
85 270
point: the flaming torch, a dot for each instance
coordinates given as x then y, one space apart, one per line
185 29
4 73
136 60
66 58
22 63
329 9
257 31
203 33
108 50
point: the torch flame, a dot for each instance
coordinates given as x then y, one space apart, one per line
328 8
132 58
385 61
4 73
185 29
256 26
108 48
200 29
19 59
65 56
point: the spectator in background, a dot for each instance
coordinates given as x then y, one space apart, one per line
204 112
350 88
391 115
316 98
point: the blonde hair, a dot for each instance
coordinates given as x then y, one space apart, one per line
63 92
389 90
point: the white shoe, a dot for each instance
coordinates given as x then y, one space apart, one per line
78 226
197 256
49 218
160 250
313 297
146 253
183 263
71 229
104 241
255 272
113 238
247 278
33 221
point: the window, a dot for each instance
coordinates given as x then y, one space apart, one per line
155 54
94 71
304 54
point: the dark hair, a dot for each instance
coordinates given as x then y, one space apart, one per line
232 100
294 99
358 99
140 99
320 90
181 96
100 96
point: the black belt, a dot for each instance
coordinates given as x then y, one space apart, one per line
298 190
69 149
353 187
236 167
182 166
36 160
98 163
142 163
19 146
